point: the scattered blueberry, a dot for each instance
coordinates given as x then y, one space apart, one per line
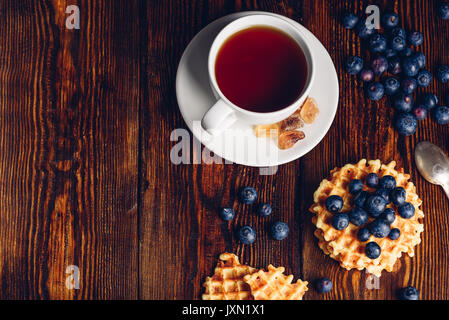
323 285
443 73
247 235
394 66
360 199
398 196
340 221
407 52
406 124
407 210
398 32
391 86
443 10
372 250
424 78
377 43
279 230
358 216
264 210
372 180
363 31
403 102
441 115
409 85
389 20
409 293
379 228
384 193
375 91
390 53
429 100
350 20
398 43
415 38
394 234
410 66
375 205
334 204
363 234
387 182
388 215
420 112
379 65
227 214
420 58
248 195
366 75
355 186
354 65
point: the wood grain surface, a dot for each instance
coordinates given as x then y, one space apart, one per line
85 172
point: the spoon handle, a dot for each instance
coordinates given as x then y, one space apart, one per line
446 189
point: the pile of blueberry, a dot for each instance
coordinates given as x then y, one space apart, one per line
396 70
370 211
247 234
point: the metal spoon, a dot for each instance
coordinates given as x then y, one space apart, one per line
433 164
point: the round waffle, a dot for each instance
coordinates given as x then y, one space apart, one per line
343 245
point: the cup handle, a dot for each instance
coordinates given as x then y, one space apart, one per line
218 118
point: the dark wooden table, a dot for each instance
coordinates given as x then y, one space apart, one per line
85 173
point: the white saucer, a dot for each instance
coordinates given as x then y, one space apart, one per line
238 144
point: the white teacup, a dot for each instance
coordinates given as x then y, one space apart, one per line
224 113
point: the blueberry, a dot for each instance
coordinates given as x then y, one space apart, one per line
394 66
264 210
363 234
403 102
323 285
409 85
379 65
420 112
372 250
443 73
375 205
407 52
372 180
358 216
407 210
406 124
366 75
415 38
350 20
409 293
360 199
248 195
391 85
377 43
387 182
424 78
398 43
354 65
388 215
398 196
384 193
379 228
227 214
247 235
334 204
340 221
363 31
279 230
394 234
355 186
410 66
389 20
390 53
374 91
441 115
398 32
429 100
420 58
443 10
